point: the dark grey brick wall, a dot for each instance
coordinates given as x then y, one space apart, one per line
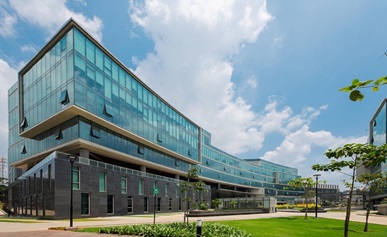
52 198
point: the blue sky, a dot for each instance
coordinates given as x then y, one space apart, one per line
262 77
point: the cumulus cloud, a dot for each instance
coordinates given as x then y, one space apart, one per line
191 67
300 147
304 148
50 15
193 40
8 77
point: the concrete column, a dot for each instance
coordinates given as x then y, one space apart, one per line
177 176
83 152
143 170
276 176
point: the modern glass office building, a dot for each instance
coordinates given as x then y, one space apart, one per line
378 136
74 97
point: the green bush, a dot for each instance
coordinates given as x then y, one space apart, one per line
175 230
233 203
215 203
203 206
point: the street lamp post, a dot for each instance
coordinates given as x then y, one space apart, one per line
72 159
316 175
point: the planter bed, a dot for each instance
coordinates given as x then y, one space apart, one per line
313 210
225 212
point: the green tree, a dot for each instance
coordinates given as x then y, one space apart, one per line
306 184
215 203
3 190
354 89
352 156
233 203
372 184
192 184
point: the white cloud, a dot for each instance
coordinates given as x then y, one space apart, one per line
81 2
272 120
50 15
192 42
298 149
7 21
28 48
191 67
252 82
8 77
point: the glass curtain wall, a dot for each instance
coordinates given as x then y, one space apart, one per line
44 83
106 89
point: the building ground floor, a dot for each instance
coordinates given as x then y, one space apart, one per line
99 189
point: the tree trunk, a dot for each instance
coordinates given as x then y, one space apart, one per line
306 208
348 213
185 215
368 211
187 207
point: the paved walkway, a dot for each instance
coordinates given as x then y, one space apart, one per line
33 227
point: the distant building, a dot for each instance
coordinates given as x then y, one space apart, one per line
75 98
328 193
357 197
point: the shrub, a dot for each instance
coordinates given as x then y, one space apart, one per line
175 230
233 203
297 206
215 203
201 206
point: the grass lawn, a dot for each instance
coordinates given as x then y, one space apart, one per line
298 227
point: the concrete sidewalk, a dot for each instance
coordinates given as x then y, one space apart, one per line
29 226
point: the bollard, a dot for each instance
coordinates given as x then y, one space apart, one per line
199 228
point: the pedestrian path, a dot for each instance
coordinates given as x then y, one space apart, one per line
26 226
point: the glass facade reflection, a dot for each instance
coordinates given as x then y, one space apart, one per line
75 97
378 128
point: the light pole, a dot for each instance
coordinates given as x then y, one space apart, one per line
316 175
71 158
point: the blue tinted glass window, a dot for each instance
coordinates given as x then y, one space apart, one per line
108 65
102 181
79 41
90 51
108 88
99 78
115 72
80 62
99 59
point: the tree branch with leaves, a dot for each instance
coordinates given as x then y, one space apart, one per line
192 184
372 184
352 156
356 86
305 184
